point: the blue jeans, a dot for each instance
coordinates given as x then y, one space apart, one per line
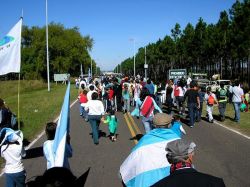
222 109
237 111
199 112
94 121
192 108
15 179
147 122
126 105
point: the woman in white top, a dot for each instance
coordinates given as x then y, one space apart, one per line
11 151
95 110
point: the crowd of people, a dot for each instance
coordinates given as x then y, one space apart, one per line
160 108
184 96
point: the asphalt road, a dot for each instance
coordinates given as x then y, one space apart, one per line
219 152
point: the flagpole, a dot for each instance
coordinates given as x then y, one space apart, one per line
18 89
47 44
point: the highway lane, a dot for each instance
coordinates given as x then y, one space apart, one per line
219 152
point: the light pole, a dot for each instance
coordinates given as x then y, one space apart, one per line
47 44
91 67
132 39
145 65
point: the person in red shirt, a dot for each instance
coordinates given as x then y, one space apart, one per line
110 102
83 100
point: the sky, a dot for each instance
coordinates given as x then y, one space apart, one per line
113 24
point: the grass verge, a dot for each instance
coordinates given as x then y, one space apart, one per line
243 126
37 105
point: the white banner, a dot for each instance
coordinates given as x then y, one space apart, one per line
10 50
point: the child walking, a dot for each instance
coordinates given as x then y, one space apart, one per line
83 100
126 99
112 123
176 126
48 147
210 98
11 151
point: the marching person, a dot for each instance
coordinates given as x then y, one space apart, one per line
222 94
147 163
180 154
11 150
147 109
237 99
50 131
211 100
193 102
95 110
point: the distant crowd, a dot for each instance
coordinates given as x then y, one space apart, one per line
161 107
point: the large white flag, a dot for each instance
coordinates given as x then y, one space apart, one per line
10 50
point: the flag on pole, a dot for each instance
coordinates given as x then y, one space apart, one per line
89 75
10 50
147 163
81 71
62 130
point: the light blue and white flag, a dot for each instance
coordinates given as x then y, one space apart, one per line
62 130
147 163
10 50
89 75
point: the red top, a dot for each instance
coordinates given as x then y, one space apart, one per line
111 94
83 98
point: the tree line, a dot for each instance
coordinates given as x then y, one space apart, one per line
68 49
221 48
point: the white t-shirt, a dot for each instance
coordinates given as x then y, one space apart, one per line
182 91
48 153
95 107
237 93
12 154
189 80
83 82
89 94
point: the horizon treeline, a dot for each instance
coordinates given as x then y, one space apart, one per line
221 48
68 49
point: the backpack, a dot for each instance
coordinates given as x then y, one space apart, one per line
222 93
176 91
13 120
211 100
147 106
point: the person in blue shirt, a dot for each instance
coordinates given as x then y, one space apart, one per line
150 87
176 126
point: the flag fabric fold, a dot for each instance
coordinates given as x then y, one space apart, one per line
147 163
62 130
10 50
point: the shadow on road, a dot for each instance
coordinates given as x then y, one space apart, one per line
137 137
82 179
34 152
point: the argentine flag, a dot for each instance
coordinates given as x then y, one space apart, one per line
147 163
10 50
62 130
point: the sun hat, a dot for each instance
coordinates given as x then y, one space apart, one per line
179 150
162 119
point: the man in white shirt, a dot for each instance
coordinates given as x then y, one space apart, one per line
82 82
90 92
95 110
238 98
